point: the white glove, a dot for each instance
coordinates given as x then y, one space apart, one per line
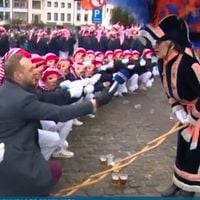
110 64
142 62
70 84
104 67
76 91
65 84
85 81
125 60
89 89
190 119
79 83
94 79
130 66
2 151
181 115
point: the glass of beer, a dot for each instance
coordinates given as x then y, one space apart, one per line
110 159
103 160
123 177
115 179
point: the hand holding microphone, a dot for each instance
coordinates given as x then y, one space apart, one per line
106 95
119 78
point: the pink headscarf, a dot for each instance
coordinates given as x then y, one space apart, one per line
42 82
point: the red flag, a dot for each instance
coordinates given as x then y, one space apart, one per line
86 5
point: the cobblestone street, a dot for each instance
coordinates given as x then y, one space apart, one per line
122 128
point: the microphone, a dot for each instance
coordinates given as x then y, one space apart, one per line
119 78
113 87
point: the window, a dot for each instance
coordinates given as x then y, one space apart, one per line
62 17
7 3
1 15
69 5
55 4
36 4
62 5
68 17
4 3
20 15
55 16
49 16
48 3
20 4
78 6
36 19
7 15
86 17
78 17
107 10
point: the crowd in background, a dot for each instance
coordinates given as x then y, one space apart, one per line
101 54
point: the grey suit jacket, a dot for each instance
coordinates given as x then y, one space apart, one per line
23 170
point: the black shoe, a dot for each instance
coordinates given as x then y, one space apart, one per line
171 191
183 193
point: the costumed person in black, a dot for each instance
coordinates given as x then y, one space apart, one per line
180 74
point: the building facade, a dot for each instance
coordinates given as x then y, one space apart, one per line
36 11
51 12
20 10
5 9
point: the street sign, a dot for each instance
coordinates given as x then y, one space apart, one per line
97 3
97 16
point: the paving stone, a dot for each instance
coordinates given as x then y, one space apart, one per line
162 188
129 191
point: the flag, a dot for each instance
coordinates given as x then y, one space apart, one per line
86 4
92 4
